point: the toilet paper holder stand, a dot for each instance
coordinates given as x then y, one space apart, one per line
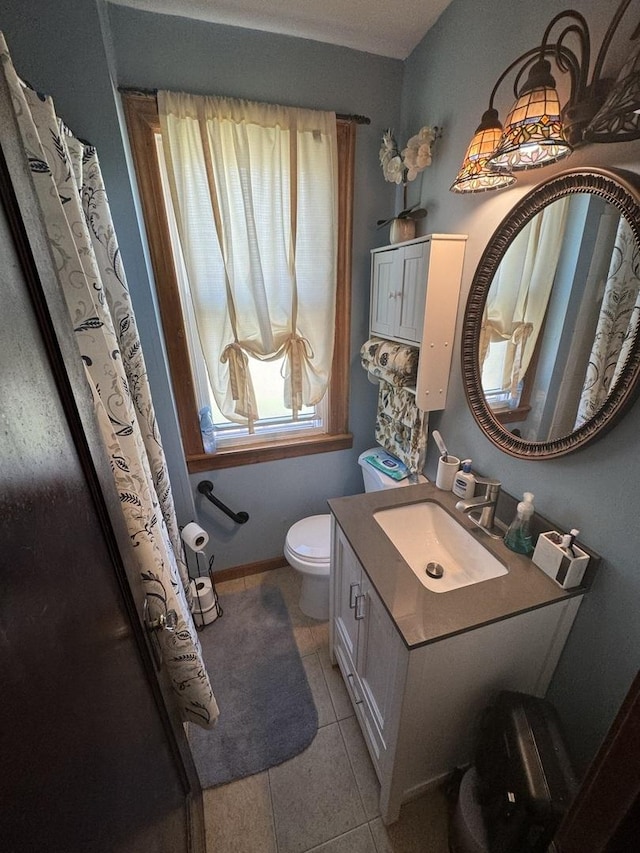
198 610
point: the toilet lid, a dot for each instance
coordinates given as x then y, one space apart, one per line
311 538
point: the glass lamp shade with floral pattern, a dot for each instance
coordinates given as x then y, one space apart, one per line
533 133
475 175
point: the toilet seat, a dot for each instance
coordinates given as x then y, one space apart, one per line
308 544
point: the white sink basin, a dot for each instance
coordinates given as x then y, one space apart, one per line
425 534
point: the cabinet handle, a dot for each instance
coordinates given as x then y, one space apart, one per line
353 594
359 614
353 687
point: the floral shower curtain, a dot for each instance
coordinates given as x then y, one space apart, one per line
617 324
68 182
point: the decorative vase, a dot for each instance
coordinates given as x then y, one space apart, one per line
402 229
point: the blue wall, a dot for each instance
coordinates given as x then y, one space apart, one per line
76 51
194 56
449 78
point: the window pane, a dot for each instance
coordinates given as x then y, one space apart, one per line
269 389
496 388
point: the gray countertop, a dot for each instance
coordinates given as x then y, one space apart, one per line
423 616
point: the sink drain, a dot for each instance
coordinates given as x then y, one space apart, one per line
434 570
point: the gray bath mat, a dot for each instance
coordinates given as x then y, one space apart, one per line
267 713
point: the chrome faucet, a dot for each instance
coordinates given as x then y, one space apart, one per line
486 504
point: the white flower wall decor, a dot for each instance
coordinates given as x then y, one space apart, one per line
399 166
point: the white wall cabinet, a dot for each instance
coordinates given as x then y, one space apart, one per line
414 300
419 708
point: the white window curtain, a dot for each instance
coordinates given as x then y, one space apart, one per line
254 188
75 210
520 292
617 324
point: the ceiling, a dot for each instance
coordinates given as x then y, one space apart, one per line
375 26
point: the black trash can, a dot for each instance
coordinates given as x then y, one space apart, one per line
467 831
522 783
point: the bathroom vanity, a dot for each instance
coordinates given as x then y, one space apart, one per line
419 665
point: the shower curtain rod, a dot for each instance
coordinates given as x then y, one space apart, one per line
151 93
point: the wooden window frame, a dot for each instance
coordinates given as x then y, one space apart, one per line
143 123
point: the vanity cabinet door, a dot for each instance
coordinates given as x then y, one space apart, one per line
381 661
347 586
368 649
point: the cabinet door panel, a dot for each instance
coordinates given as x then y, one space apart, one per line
384 301
348 584
412 279
379 649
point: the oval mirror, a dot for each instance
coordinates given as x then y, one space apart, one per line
550 340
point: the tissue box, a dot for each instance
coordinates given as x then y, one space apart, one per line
554 561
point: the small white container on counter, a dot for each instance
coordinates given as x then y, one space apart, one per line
464 483
447 470
564 567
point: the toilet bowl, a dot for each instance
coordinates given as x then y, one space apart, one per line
307 547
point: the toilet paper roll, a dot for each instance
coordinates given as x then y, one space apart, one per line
202 593
206 617
194 536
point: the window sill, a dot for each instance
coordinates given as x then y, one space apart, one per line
506 416
267 452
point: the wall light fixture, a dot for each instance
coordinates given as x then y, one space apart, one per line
537 130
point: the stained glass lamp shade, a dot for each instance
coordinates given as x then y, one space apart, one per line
533 134
475 176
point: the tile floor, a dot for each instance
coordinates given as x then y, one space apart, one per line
324 800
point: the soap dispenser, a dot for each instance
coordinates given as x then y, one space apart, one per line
518 535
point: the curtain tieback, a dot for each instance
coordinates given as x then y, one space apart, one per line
519 338
296 350
240 382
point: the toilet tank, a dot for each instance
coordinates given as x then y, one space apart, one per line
375 480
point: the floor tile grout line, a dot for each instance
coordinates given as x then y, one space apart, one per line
342 835
273 814
373 837
353 770
326 684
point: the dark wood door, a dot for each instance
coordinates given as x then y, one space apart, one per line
91 758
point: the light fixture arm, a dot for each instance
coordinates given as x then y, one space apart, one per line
564 55
528 55
565 58
608 36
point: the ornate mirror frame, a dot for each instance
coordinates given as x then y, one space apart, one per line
620 189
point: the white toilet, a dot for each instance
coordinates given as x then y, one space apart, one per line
308 544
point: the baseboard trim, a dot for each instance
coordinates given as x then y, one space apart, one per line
249 569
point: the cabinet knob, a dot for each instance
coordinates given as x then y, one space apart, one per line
354 589
359 614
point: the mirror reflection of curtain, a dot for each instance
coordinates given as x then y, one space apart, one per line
617 324
520 290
